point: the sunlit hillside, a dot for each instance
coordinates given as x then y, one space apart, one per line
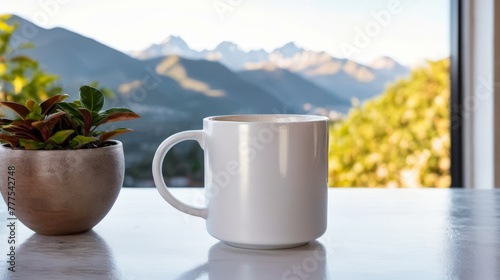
399 139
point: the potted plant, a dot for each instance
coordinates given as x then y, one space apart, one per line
59 173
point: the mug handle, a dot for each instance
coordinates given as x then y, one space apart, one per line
160 154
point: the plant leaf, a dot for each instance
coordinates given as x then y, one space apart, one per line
91 98
65 123
23 129
80 141
44 130
13 141
20 127
110 134
33 106
115 115
35 110
66 107
53 119
24 123
77 103
31 144
20 109
34 116
61 136
23 58
26 135
5 122
49 103
97 133
87 121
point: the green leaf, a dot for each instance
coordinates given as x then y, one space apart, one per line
70 110
77 103
97 133
80 141
33 106
31 144
95 115
117 110
110 134
34 116
91 98
61 136
35 110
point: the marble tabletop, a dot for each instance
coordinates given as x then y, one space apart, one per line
372 234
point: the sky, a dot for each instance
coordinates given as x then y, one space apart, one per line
409 31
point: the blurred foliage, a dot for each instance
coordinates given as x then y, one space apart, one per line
399 139
20 76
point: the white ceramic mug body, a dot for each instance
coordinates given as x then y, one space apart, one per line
265 179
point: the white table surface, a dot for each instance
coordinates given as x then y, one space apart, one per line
372 234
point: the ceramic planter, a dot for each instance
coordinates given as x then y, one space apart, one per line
62 191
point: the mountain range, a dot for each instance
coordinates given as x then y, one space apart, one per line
174 87
343 78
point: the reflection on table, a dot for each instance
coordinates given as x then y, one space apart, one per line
372 234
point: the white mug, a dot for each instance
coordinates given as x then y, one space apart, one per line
265 178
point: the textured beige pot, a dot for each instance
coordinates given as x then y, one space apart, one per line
63 191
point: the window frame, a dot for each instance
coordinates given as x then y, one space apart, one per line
456 94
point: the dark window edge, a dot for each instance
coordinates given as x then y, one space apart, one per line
456 97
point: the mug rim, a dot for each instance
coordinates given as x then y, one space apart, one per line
266 118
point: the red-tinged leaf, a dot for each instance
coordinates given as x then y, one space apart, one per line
53 119
65 123
24 123
20 109
13 141
5 121
115 117
49 103
110 134
16 129
23 135
44 130
87 117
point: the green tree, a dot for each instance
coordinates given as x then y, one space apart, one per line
20 76
399 139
